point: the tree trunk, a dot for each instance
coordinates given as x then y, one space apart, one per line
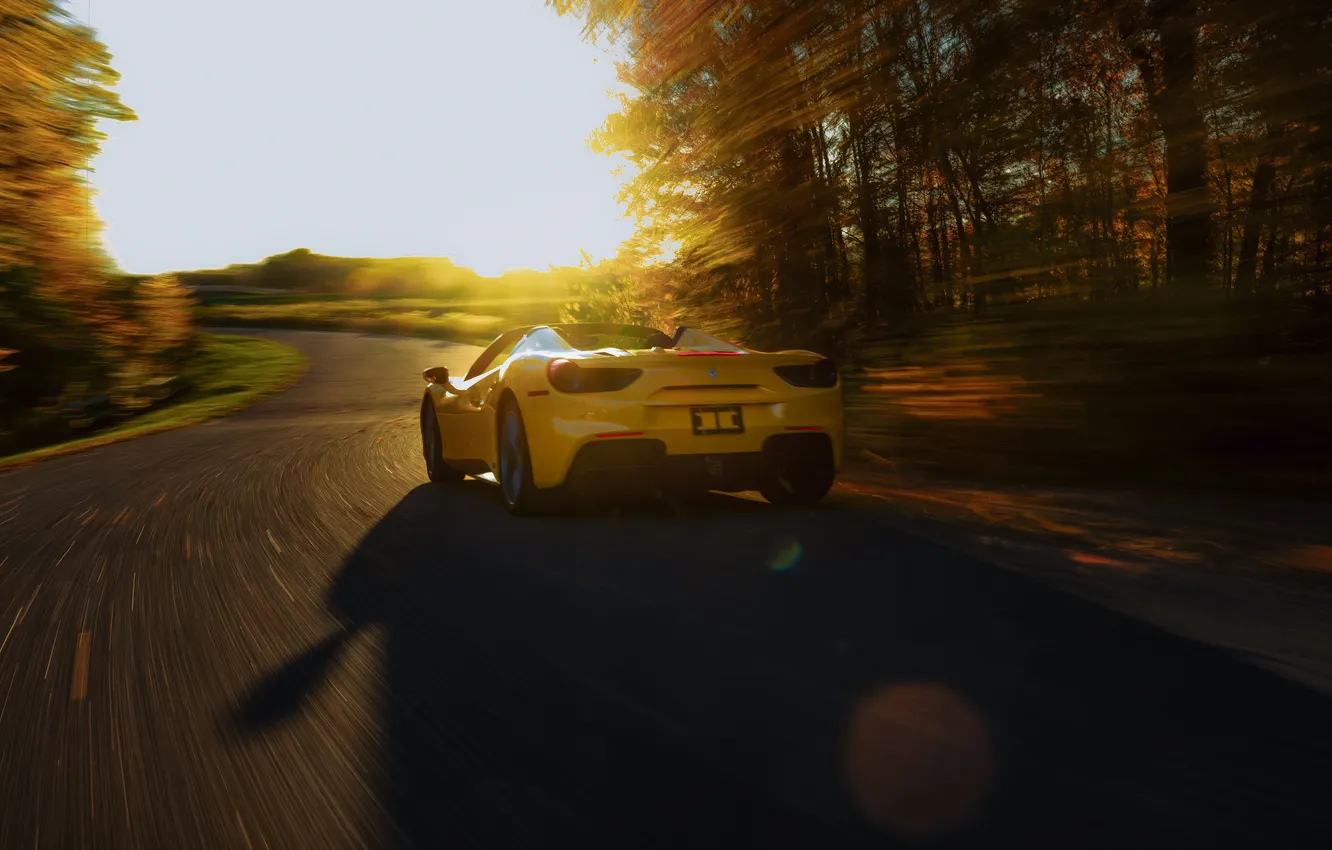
844 262
1253 222
1269 262
950 187
867 211
1229 249
1188 207
936 246
834 248
1155 258
1131 229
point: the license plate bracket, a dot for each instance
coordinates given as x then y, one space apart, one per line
708 421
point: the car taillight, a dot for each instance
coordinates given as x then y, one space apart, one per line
568 377
822 373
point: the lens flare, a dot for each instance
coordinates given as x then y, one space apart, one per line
787 556
917 759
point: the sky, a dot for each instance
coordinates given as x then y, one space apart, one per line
416 128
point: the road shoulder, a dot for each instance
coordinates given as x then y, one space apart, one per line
1253 578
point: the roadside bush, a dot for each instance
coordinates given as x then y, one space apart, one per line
68 368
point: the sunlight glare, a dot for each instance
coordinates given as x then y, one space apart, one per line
443 130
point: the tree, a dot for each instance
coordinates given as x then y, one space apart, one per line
901 156
68 322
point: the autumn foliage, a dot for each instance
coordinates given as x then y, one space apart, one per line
820 161
70 327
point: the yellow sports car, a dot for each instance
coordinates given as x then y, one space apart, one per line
596 405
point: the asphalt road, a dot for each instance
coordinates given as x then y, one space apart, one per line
269 631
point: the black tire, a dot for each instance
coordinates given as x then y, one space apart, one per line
520 495
432 448
801 477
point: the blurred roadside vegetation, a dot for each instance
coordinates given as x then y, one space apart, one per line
75 335
1134 395
226 373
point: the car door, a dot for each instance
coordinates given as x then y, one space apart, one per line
470 421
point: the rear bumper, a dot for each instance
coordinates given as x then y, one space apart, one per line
637 463
660 437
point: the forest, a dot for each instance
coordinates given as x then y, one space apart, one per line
826 159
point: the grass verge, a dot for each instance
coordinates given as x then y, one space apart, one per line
228 374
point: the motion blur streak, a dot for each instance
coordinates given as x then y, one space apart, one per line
918 759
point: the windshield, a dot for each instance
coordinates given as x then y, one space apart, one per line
629 337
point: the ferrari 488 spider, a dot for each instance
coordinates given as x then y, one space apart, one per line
564 407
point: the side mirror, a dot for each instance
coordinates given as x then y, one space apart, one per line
436 375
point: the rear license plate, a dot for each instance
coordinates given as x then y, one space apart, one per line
717 420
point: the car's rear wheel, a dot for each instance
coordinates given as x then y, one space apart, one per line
432 447
521 496
801 475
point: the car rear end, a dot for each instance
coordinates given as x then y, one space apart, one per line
722 420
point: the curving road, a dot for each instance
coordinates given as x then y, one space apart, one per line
268 631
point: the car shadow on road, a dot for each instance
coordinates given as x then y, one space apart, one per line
280 694
739 676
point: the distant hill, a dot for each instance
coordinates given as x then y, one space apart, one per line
303 271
